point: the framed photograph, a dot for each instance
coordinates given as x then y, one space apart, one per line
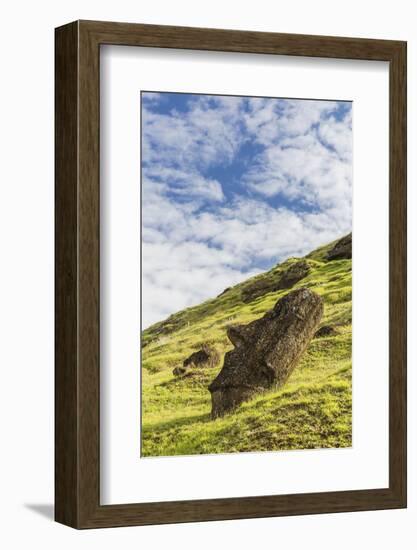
230 274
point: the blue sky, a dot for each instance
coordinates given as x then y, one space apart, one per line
232 185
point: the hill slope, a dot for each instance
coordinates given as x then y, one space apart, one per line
313 410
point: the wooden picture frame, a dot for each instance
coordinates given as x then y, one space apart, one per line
77 374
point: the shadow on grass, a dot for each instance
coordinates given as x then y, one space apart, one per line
194 376
176 423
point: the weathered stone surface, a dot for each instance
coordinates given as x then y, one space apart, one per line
266 351
326 330
342 250
294 274
163 328
259 288
179 371
206 357
279 281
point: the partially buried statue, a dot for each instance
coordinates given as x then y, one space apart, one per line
266 351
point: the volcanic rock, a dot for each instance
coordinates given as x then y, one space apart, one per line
293 274
342 250
285 280
206 357
179 371
326 330
266 351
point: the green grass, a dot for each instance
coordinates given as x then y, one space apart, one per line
313 410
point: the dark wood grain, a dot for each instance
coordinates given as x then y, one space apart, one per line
78 285
398 273
66 238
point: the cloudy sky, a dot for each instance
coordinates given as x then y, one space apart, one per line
233 185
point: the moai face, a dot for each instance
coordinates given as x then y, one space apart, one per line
267 350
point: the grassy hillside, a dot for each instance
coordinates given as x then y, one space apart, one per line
313 410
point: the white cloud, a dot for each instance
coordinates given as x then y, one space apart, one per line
183 275
195 259
195 242
209 131
338 135
182 182
152 97
314 166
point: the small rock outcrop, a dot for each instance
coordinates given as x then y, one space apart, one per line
179 371
282 281
342 250
266 351
326 330
294 274
206 357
